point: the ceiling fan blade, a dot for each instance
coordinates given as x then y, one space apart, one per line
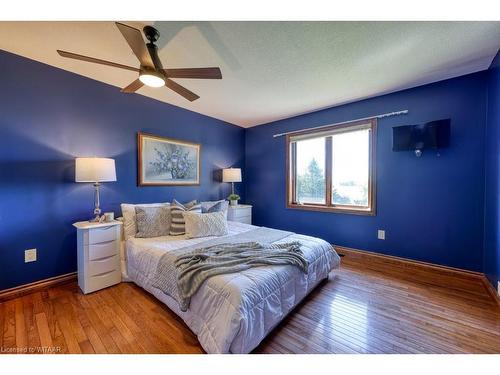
181 90
202 73
133 87
76 56
134 39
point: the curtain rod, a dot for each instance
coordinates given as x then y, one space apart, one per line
396 113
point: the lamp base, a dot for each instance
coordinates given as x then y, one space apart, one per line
97 202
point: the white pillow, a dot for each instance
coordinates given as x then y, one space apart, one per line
128 213
205 225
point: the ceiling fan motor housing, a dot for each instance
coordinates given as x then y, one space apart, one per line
151 33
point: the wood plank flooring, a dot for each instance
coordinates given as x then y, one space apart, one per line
371 306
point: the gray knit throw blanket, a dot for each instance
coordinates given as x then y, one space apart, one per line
195 267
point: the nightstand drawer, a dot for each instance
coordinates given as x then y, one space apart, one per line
102 281
97 267
103 250
99 235
239 212
244 220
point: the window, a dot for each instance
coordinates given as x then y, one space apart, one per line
332 168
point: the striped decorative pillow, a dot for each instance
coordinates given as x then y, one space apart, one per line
177 223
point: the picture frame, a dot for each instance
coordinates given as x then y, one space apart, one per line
163 161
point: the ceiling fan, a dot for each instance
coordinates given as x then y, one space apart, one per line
151 71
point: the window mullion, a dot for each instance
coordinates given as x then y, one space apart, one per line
328 170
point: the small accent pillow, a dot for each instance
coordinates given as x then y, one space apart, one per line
221 206
205 225
152 221
128 213
178 225
207 205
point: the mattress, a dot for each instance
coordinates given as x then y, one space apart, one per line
233 313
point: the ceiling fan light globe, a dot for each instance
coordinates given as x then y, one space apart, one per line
151 80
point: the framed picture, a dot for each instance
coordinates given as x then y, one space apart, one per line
166 161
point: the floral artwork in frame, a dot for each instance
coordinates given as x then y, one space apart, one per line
166 161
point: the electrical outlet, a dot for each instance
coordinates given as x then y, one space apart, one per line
29 255
381 234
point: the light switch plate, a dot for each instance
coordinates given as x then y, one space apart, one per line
30 255
498 288
381 234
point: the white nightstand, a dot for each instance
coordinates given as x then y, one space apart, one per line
98 255
241 213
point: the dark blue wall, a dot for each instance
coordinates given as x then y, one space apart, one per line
430 207
492 192
48 117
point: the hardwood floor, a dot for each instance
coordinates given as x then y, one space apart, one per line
372 306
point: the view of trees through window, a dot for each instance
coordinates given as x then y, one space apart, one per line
311 182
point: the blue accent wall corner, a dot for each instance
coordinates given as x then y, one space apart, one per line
492 182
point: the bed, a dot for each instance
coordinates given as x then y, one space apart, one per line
233 313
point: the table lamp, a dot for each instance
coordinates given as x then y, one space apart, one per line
231 175
95 170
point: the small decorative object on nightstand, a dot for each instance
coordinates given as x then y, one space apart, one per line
241 213
98 255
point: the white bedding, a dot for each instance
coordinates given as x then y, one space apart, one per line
232 313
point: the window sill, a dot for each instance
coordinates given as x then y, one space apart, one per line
337 209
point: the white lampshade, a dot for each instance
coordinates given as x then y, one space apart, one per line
95 170
231 175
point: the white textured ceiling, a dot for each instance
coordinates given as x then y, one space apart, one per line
271 70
